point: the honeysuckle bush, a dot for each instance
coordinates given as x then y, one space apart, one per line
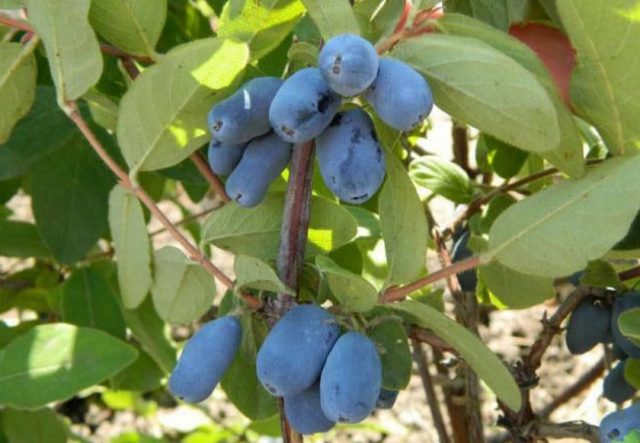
103 114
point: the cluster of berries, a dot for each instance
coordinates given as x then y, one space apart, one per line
324 377
254 131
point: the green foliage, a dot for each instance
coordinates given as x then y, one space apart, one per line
20 239
487 365
354 293
443 178
332 17
261 25
72 47
538 236
87 300
132 246
53 362
17 84
403 224
531 122
96 302
38 426
162 118
254 273
603 87
133 26
182 291
240 230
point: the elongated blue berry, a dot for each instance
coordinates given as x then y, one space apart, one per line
205 358
303 107
350 159
223 158
351 379
349 64
263 161
304 412
400 95
244 115
620 424
293 354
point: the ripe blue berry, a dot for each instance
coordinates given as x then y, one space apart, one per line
223 158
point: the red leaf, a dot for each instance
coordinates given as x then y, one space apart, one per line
554 50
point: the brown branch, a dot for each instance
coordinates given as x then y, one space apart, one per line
420 357
293 241
629 274
399 293
573 429
586 380
184 220
119 53
552 326
213 180
195 254
477 204
425 336
16 24
466 309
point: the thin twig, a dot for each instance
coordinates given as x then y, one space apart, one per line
399 293
16 24
586 380
466 308
420 357
184 220
195 254
293 241
213 180
424 336
629 274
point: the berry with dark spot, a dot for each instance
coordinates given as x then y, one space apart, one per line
588 326
244 115
350 158
349 64
303 107
223 157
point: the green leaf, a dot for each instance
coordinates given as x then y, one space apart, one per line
442 177
103 110
61 187
72 47
601 274
253 273
39 426
378 18
17 84
162 117
632 372
500 98
333 17
391 338
404 225
354 293
240 382
132 25
131 242
52 362
604 86
182 291
538 235
632 239
567 156
12 4
500 13
239 229
142 375
484 362
150 331
262 25
45 130
513 289
632 437
629 322
505 160
87 300
20 239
